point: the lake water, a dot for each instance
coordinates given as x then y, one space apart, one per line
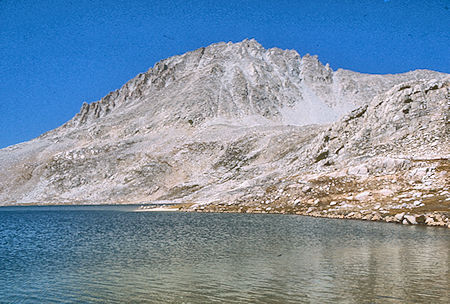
109 254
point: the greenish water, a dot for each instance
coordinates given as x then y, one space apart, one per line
108 254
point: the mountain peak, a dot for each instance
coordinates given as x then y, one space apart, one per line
239 83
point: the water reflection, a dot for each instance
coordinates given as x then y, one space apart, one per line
108 255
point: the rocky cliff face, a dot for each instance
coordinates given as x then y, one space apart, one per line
225 123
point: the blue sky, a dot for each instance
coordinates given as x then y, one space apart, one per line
56 54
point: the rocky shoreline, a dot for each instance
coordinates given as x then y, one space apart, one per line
435 219
410 192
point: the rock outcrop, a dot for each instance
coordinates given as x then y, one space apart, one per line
232 124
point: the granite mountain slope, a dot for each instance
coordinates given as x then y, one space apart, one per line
224 124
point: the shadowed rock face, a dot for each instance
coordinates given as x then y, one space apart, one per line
225 122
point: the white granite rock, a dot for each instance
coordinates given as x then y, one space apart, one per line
228 121
399 216
363 196
411 219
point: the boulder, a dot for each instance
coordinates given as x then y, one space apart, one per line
411 219
360 170
376 217
429 220
306 189
399 216
363 196
390 219
389 165
386 192
367 217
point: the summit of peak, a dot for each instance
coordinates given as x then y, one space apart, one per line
248 44
240 79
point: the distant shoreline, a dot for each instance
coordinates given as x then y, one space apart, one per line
439 220
158 209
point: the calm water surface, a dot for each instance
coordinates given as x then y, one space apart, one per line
109 254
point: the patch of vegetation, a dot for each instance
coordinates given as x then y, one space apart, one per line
404 87
408 100
321 156
180 191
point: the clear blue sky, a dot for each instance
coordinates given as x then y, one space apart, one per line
56 54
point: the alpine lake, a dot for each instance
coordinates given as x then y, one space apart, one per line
110 254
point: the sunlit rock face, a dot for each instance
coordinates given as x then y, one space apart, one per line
225 122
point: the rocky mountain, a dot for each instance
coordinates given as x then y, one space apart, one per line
229 124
